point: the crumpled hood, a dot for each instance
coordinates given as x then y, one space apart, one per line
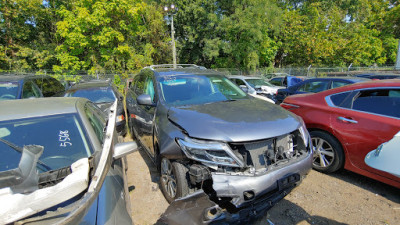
234 121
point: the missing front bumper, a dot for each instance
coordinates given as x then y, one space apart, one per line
240 188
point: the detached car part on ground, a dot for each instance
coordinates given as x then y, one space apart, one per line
70 169
204 133
348 122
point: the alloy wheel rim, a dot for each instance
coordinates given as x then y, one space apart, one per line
168 178
324 154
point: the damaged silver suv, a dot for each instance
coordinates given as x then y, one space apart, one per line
204 132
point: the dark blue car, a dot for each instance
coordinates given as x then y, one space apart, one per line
315 85
61 164
29 86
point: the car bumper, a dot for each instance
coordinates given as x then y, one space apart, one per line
240 187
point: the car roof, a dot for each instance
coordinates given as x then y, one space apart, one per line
90 84
363 85
244 77
182 69
37 107
352 79
11 78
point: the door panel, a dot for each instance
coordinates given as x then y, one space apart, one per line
142 117
361 132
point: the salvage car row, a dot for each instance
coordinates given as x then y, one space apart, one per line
61 159
223 154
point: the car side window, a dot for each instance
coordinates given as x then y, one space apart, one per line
97 121
239 82
336 84
140 84
51 87
276 81
30 90
315 86
384 102
145 84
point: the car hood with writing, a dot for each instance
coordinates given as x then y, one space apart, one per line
234 121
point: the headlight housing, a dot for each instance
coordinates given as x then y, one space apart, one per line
216 153
304 134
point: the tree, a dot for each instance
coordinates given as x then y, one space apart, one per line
233 34
99 35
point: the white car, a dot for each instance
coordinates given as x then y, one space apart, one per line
256 86
386 156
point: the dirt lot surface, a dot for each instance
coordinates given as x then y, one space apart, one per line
340 198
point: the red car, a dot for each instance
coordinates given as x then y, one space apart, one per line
348 122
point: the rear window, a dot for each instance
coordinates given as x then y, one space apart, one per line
96 95
8 90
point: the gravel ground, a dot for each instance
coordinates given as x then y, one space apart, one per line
340 198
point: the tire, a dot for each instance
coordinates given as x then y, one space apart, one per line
173 180
328 152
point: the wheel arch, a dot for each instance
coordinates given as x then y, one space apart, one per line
334 137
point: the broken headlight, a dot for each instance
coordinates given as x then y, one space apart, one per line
211 152
304 133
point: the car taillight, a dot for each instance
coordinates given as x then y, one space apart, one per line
120 118
289 106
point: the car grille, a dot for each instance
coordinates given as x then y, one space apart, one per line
271 152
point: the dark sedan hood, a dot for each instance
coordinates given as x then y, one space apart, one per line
234 121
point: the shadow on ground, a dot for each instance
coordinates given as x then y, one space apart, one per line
154 174
389 192
286 212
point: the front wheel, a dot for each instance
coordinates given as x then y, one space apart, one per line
174 183
328 153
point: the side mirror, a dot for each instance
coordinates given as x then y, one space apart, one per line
123 149
145 99
244 88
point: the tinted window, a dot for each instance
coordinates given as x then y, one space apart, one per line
140 84
8 90
239 82
381 101
30 90
336 84
198 89
96 95
276 81
51 87
61 136
96 120
315 86
338 99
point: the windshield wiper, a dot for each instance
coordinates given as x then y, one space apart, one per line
19 149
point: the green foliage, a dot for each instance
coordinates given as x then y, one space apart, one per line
122 36
337 33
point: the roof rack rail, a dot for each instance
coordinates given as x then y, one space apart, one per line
166 66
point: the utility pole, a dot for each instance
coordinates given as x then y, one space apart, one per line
397 65
171 11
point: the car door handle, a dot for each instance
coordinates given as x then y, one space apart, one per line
347 120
